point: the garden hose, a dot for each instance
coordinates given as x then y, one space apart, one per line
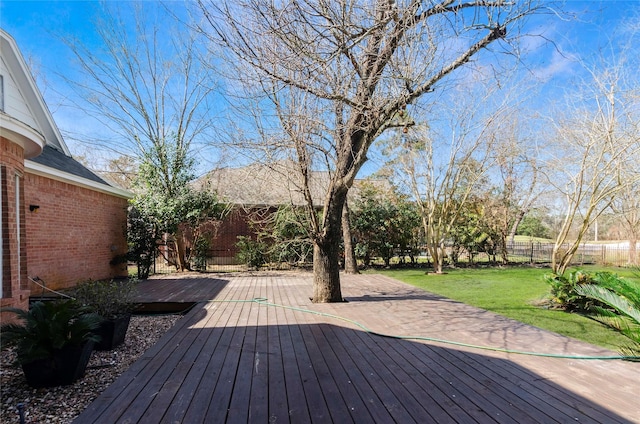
265 301
44 287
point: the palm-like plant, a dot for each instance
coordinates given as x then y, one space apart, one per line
48 327
621 298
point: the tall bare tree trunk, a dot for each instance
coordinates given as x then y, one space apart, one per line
350 263
181 253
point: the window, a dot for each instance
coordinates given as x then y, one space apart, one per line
1 93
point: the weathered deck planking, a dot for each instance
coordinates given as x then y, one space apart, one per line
233 360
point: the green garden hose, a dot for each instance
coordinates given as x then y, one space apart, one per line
265 301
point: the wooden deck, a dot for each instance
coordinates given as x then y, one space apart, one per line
233 361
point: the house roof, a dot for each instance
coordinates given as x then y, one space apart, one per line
27 121
26 118
55 159
260 184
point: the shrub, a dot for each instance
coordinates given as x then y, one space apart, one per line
109 299
564 292
141 240
618 306
251 252
201 250
47 328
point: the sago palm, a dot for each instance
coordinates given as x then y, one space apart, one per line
622 310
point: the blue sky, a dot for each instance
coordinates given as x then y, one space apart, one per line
36 25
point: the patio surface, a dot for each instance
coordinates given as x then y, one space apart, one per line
234 360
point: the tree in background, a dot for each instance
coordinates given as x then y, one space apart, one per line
332 75
385 224
142 236
173 212
286 233
626 206
444 165
150 86
597 146
532 225
516 183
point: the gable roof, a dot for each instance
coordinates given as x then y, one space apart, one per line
27 121
26 114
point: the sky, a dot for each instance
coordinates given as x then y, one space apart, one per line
551 56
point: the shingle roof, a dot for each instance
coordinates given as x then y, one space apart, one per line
55 159
260 184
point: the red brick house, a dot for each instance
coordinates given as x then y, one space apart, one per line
59 221
255 191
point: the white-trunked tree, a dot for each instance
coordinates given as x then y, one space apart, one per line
596 144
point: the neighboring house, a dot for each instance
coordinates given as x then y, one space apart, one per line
255 191
59 221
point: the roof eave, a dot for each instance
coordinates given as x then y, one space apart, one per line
55 174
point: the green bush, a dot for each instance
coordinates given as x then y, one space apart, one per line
564 292
201 250
141 240
109 299
47 328
251 252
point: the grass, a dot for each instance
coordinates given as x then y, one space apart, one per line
515 292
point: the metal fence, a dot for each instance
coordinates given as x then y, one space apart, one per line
617 254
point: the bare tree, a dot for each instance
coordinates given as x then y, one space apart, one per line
594 160
515 182
445 165
626 205
353 65
148 85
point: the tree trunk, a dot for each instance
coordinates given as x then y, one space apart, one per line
516 223
326 272
326 251
181 253
438 258
350 263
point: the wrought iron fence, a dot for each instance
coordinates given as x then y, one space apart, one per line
617 254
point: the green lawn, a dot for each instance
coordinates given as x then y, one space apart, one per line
514 293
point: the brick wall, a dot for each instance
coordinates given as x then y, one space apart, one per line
74 233
14 264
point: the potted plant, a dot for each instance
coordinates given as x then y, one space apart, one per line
54 341
113 301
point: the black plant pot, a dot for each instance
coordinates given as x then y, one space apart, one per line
112 332
63 368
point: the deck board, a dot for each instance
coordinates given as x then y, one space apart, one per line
233 360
